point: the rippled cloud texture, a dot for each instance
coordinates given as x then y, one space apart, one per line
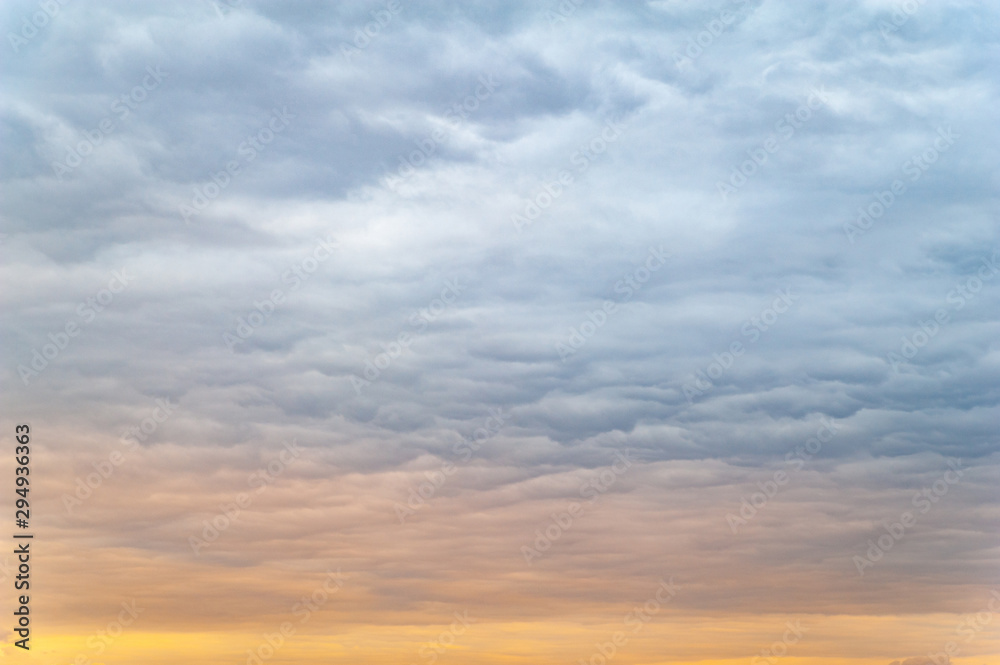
486 333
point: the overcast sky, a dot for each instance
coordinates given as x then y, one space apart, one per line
686 233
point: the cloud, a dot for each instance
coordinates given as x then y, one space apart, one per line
420 187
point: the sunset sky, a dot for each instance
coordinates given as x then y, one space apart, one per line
467 333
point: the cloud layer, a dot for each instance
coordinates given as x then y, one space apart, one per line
459 257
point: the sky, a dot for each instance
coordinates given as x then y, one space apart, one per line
475 333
